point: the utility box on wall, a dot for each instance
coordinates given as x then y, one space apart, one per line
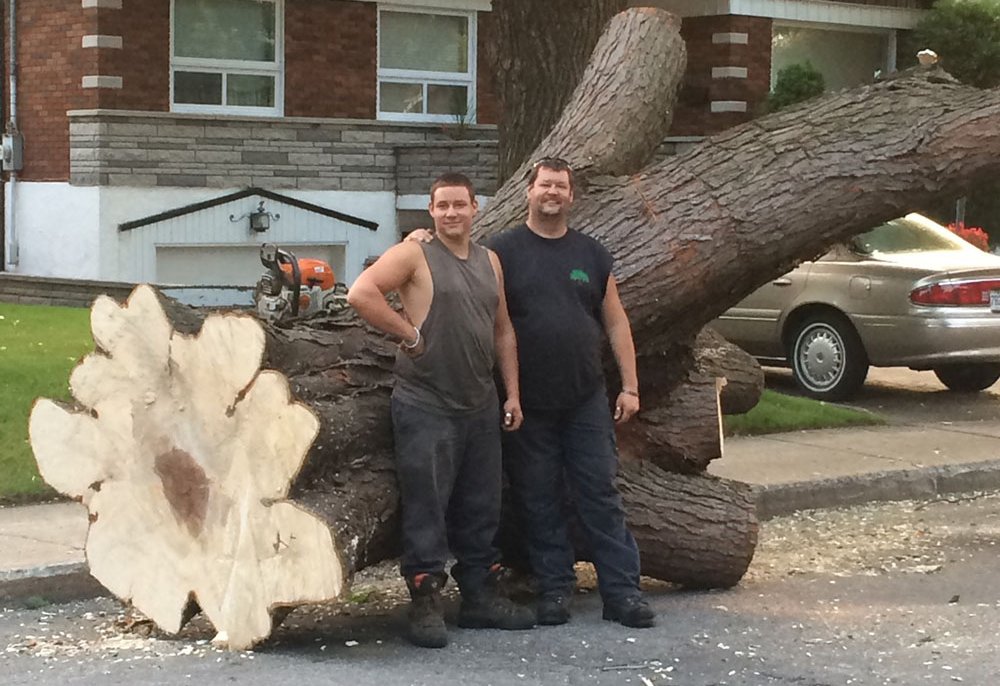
13 151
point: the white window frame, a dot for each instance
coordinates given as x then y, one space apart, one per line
224 67
425 78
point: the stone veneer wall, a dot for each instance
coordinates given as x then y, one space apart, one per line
169 150
418 164
137 149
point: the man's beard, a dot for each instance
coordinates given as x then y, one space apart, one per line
551 209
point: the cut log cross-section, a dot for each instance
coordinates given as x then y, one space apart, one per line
181 446
184 458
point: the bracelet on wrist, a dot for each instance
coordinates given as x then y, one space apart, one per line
629 391
416 341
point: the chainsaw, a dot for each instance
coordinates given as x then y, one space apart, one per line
292 288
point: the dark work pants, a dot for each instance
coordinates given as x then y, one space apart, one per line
450 477
556 449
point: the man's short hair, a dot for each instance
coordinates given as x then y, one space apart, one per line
557 164
453 179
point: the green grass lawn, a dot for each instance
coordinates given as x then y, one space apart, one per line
777 412
39 346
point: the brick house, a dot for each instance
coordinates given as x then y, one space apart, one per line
145 122
737 47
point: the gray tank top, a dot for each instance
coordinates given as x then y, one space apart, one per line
455 372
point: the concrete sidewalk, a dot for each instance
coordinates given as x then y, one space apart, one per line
44 544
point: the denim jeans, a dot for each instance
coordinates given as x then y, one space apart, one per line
575 449
450 478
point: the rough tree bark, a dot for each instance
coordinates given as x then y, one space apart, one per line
691 234
538 57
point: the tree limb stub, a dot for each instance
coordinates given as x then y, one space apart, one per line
618 114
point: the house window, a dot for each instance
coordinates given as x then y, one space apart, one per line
427 66
845 58
226 56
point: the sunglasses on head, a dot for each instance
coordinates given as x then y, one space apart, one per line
554 163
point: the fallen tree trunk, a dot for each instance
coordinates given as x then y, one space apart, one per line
185 454
190 460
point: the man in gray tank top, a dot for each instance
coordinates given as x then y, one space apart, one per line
445 414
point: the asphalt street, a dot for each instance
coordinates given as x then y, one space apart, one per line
898 593
894 593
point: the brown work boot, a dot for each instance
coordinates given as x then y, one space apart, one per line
426 616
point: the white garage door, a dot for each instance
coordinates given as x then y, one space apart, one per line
230 265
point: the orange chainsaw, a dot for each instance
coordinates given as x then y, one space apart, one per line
293 288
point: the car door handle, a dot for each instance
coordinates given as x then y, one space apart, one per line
782 282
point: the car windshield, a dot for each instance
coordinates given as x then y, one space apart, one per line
912 233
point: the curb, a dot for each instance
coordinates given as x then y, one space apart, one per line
901 484
55 583
68 581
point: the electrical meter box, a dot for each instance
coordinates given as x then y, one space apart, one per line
12 145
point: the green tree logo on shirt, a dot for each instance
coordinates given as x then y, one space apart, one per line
579 275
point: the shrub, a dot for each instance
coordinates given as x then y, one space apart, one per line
972 234
966 35
795 83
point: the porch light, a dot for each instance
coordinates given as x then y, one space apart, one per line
260 219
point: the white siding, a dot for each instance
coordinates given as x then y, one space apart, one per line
208 248
816 11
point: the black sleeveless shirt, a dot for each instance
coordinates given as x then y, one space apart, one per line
555 291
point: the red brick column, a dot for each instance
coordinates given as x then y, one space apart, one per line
728 75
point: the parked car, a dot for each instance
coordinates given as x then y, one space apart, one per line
908 293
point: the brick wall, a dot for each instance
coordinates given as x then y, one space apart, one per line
51 65
487 102
143 61
694 115
330 58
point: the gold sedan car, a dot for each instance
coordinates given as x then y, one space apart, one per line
908 293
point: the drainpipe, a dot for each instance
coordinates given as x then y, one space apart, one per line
9 226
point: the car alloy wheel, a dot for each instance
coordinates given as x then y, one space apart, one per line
828 359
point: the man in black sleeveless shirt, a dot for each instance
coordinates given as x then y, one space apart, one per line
563 302
446 419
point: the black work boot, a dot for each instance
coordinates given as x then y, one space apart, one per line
630 611
426 616
553 609
489 608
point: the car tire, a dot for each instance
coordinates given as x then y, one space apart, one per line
827 356
968 378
